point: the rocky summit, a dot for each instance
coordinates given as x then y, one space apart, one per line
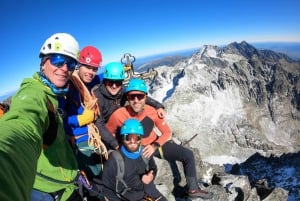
238 109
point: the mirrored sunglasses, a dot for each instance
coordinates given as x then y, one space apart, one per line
132 137
138 96
59 61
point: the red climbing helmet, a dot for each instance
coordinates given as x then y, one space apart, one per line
90 56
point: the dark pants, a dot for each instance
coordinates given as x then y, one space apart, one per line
173 152
150 189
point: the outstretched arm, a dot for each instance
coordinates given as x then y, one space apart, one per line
20 144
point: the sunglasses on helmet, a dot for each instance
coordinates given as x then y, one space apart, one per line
132 137
138 96
59 61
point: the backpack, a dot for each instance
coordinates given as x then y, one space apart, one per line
4 107
120 171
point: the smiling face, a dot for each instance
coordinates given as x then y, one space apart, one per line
87 73
136 100
113 86
132 142
58 76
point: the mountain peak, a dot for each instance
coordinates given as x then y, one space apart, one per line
243 48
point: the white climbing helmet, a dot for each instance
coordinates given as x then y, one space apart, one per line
61 43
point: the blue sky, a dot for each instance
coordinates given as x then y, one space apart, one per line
140 27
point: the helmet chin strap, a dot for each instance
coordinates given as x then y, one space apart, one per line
56 90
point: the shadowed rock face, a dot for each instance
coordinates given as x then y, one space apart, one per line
235 102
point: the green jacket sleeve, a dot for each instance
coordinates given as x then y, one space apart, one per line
20 143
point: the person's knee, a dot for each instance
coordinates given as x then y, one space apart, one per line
188 153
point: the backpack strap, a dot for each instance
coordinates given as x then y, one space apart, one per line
146 160
120 173
121 170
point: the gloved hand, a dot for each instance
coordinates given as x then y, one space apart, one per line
83 180
86 117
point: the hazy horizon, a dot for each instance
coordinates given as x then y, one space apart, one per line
288 48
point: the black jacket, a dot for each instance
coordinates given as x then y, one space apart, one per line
134 169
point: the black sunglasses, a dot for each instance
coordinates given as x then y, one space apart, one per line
110 83
138 96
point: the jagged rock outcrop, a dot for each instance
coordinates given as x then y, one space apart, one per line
234 102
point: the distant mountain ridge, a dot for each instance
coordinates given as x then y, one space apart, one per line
6 97
142 64
291 50
239 102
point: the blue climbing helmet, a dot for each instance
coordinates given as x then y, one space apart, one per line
132 126
114 71
136 84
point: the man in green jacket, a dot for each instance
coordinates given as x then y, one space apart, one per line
35 158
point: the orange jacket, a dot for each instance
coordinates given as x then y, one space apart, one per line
149 113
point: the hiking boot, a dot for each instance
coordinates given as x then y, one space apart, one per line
200 194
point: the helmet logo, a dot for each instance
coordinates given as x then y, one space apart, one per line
88 60
57 46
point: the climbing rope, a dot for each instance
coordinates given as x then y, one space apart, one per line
90 103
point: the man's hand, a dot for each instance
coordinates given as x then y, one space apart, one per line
148 177
161 113
149 150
